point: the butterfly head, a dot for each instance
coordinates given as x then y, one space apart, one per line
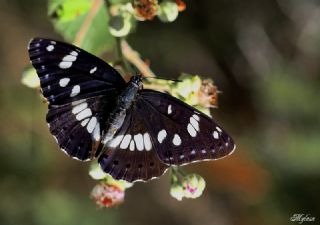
137 81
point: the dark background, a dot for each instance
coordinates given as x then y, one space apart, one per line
264 57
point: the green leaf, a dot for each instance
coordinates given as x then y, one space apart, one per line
69 10
83 22
30 78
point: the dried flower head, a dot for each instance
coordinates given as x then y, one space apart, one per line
145 9
208 94
181 5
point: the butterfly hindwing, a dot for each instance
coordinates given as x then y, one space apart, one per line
130 154
181 133
81 90
157 133
78 126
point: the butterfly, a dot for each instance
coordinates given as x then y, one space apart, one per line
135 133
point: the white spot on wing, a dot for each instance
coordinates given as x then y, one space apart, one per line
116 141
176 140
79 108
215 135
93 70
96 132
138 138
219 129
92 124
75 91
169 109
65 65
84 114
191 130
132 145
147 141
125 141
84 122
78 102
68 60
74 53
194 123
162 135
50 48
196 117
53 42
64 82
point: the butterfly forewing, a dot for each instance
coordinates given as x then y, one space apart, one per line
68 73
81 90
131 155
182 134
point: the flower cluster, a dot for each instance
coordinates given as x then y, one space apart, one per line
107 195
125 15
108 192
186 186
201 94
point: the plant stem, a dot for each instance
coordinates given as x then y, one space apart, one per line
135 59
126 54
120 56
87 22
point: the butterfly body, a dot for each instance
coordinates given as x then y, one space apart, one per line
124 102
135 133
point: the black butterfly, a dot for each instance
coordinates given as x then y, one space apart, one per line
135 133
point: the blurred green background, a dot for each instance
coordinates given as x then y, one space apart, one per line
263 55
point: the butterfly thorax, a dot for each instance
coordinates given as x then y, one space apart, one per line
124 102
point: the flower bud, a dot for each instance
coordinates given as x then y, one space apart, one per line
96 172
168 11
177 191
193 185
120 25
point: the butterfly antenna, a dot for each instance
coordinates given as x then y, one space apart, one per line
162 78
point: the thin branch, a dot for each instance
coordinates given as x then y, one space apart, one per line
87 22
135 59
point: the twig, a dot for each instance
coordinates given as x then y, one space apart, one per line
87 22
120 56
135 59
